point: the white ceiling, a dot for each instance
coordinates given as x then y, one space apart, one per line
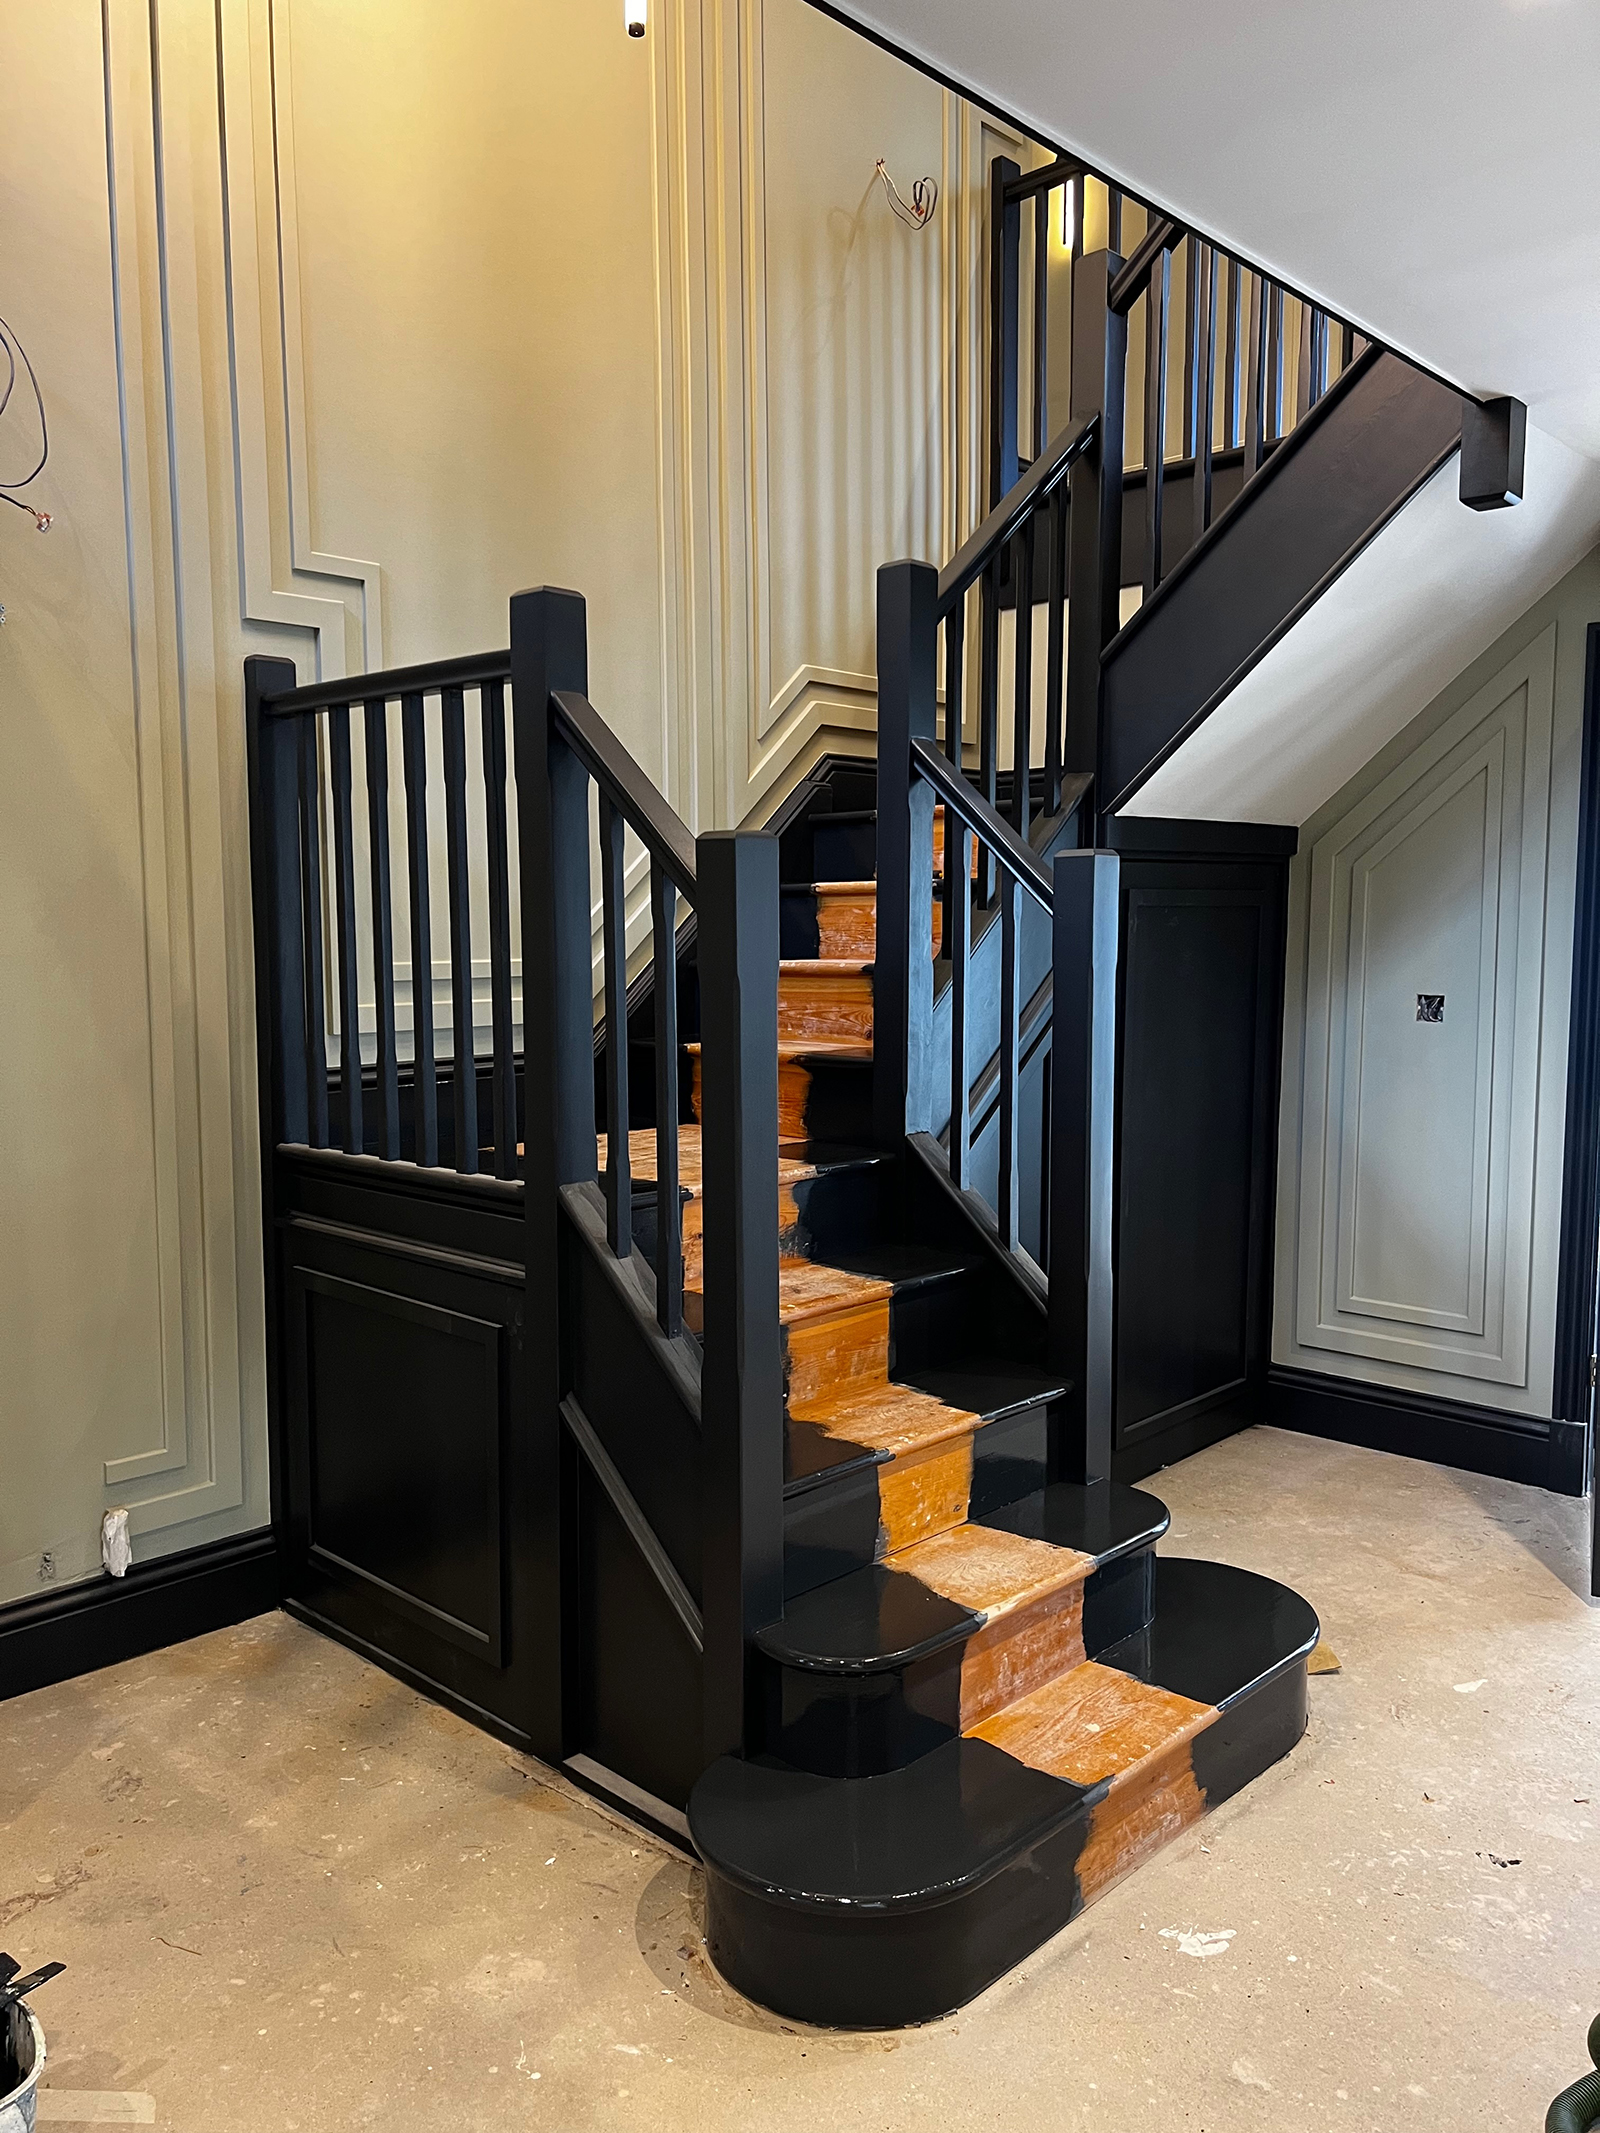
1429 169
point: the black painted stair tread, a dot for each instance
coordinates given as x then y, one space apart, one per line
988 1386
881 1900
1105 1522
940 1591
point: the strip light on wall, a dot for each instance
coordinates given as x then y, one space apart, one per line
633 16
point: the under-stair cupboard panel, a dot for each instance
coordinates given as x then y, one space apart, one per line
1424 978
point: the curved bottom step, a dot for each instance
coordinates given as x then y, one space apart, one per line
873 1902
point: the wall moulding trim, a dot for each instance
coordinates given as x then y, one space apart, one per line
1491 763
166 229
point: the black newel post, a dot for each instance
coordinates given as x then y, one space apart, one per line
1083 1065
272 758
742 1373
902 978
549 652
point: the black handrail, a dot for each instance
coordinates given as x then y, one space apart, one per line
1007 518
658 827
1134 278
1017 858
467 672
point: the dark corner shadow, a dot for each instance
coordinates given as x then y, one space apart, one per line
1554 1530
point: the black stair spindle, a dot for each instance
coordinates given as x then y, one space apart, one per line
311 923
1055 648
1304 390
424 1069
954 689
614 935
1232 383
669 1210
1155 415
1009 1180
1022 678
344 909
1255 416
989 708
1273 425
1113 218
376 718
464 1065
1203 274
503 1081
1005 231
957 845
1041 322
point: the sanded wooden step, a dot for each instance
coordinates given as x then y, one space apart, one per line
843 917
823 997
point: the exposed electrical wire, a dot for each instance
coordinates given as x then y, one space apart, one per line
14 351
918 212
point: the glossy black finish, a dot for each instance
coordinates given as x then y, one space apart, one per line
883 1900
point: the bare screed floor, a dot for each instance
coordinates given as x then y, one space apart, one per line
292 1894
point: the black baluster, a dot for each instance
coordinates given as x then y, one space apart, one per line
988 706
311 922
1255 420
959 939
1155 416
503 1082
344 908
424 1070
1041 323
273 745
1232 383
669 1211
1005 229
1113 219
1055 648
1304 395
614 937
1009 1033
464 1068
376 722
1275 363
954 688
1099 389
1022 678
1203 269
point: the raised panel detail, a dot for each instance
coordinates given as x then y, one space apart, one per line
1417 1140
403 1410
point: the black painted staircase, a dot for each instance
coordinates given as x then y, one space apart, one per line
986 1699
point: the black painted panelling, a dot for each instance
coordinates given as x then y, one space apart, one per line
639 1677
1201 986
404 1411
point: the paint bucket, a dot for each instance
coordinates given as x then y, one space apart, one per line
21 2064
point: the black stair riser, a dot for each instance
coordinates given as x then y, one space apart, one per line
833 1527
883 1966
848 1210
839 1100
798 932
844 849
859 1724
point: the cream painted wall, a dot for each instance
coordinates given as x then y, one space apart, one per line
1419 1192
353 316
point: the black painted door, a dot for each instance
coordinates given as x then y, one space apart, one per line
1201 985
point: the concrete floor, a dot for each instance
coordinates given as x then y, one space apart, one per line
292 1894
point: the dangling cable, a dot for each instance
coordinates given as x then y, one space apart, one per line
924 198
14 349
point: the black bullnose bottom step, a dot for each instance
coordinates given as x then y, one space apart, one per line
874 1902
